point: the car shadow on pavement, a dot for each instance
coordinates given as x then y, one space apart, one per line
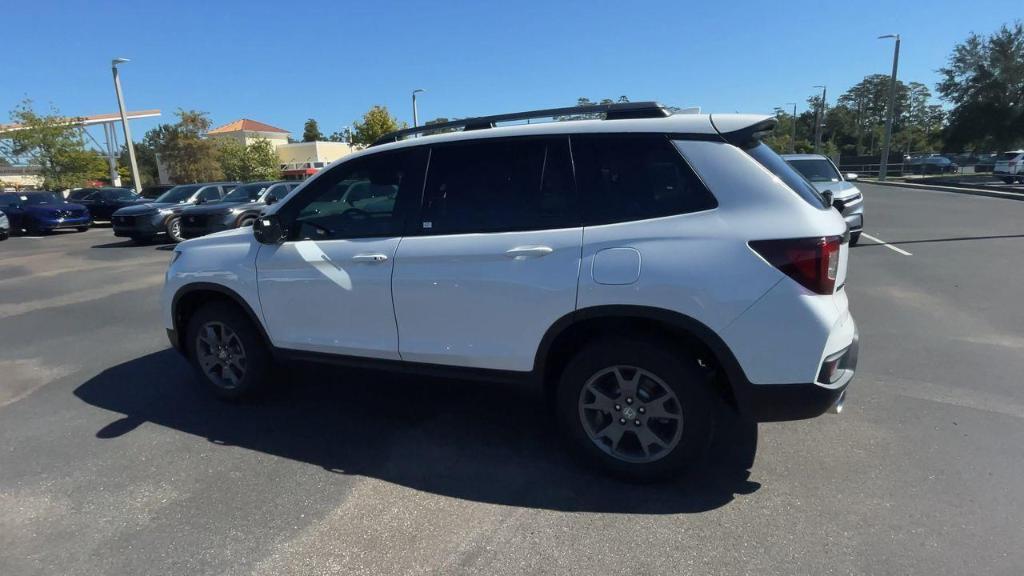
480 442
937 240
156 245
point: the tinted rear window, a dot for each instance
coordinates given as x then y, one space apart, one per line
624 177
776 165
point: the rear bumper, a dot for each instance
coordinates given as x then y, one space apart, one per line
779 402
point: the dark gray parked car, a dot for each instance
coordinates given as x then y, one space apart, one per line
239 208
144 222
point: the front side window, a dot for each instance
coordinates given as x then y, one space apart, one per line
177 194
246 192
210 194
117 194
816 169
499 185
363 198
81 194
624 177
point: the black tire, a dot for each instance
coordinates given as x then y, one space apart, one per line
854 238
697 403
257 365
174 229
1008 180
82 228
247 221
142 239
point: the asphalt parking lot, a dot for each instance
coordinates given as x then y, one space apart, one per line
113 462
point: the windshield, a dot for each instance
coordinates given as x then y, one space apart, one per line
816 170
776 165
177 194
246 192
42 198
118 194
154 191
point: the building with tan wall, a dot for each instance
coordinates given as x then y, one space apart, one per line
299 160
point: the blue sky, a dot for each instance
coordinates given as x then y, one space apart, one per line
282 62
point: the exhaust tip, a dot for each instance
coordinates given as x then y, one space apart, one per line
837 408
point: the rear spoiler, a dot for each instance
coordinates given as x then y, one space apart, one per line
742 129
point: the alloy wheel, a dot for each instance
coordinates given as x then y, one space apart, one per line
631 414
221 355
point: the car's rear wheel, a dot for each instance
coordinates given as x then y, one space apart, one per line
174 229
227 352
636 409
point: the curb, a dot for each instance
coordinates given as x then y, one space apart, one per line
948 188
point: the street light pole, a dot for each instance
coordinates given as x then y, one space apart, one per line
883 168
819 117
124 122
792 139
415 113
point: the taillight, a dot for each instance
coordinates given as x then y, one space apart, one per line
813 262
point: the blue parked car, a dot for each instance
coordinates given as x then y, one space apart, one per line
41 212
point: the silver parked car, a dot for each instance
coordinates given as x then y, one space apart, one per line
821 172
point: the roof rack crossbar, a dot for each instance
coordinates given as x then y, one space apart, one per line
615 111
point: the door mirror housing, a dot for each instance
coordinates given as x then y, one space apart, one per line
827 194
268 229
270 199
851 177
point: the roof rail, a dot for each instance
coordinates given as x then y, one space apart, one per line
616 111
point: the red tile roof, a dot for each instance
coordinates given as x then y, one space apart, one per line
248 126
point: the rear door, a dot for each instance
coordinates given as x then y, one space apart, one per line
493 259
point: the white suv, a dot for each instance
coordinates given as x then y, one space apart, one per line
647 270
1010 166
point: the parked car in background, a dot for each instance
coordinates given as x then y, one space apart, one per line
1010 167
103 202
43 211
239 208
710 277
986 163
846 197
162 216
5 226
153 192
930 164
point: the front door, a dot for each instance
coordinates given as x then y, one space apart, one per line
327 288
493 259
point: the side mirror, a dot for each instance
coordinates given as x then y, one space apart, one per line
851 177
200 200
827 194
270 199
268 229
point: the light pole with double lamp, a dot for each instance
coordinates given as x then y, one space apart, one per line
883 167
124 122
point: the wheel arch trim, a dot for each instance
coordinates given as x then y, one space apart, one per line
220 290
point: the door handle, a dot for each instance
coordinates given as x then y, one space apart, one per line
369 258
524 252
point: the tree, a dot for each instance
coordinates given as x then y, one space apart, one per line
56 145
984 80
189 156
343 135
311 132
376 122
584 101
257 161
438 120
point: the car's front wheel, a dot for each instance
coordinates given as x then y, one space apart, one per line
227 352
636 408
174 229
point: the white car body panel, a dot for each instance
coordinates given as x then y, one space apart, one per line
483 300
330 296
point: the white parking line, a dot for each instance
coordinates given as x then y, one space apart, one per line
886 244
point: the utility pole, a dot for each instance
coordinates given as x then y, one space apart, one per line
819 120
883 168
415 113
124 122
792 139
